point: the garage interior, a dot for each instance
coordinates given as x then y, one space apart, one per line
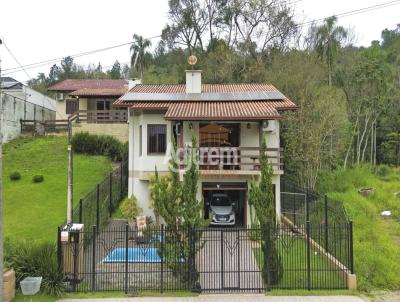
237 192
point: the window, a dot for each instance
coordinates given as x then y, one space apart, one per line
103 105
140 140
71 106
156 138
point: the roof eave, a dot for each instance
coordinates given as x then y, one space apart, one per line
243 118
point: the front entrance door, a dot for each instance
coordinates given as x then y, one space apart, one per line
226 260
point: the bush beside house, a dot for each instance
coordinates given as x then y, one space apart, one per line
106 145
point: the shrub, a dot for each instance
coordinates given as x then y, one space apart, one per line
37 178
100 145
15 176
129 208
36 259
382 170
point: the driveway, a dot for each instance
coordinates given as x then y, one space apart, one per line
226 262
229 298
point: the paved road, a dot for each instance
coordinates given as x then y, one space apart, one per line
229 298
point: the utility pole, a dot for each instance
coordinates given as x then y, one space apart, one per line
70 175
1 188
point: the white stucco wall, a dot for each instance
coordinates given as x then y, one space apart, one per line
148 162
144 162
138 185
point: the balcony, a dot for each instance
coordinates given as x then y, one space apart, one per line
102 116
235 160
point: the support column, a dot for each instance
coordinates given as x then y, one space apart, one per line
276 181
131 152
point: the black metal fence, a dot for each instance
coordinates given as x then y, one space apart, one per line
207 259
327 216
302 204
98 205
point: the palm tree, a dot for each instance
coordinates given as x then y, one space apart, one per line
138 49
327 42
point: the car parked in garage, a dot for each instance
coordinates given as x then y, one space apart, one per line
222 210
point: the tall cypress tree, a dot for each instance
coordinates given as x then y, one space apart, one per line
262 199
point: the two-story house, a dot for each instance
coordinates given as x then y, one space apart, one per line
228 121
91 101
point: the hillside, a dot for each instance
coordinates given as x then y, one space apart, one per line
376 239
34 210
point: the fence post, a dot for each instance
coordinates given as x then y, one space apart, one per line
126 256
192 245
308 255
326 221
162 259
94 258
59 252
110 209
122 181
75 235
80 210
307 207
351 247
266 255
98 205
222 258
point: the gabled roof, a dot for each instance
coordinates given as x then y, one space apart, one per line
206 88
73 85
10 83
88 92
215 102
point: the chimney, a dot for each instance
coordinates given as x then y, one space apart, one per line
133 82
193 81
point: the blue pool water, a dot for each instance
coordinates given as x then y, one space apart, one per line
135 254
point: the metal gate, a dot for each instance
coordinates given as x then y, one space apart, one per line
229 259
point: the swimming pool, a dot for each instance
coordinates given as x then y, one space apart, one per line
135 255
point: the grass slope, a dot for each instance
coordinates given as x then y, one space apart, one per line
34 210
376 240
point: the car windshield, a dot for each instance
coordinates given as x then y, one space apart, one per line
220 201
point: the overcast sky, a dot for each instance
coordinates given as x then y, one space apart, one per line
46 29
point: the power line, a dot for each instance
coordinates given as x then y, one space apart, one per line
47 62
355 12
30 78
16 60
56 60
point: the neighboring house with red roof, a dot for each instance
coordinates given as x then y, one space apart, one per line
92 102
228 121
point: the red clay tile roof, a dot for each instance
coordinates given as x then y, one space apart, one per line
149 105
87 92
210 88
72 85
168 98
254 110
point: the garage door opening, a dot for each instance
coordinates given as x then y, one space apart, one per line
226 203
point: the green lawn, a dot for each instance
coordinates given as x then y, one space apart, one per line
293 253
376 239
34 210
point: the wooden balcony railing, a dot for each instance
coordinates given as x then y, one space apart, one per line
237 158
102 116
